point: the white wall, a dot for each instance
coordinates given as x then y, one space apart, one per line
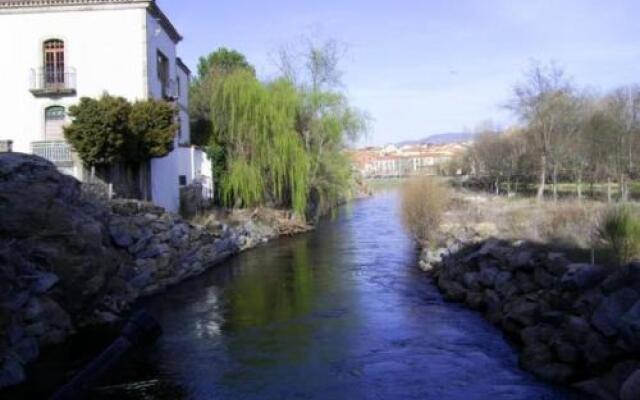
105 45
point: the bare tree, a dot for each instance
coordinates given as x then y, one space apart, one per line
539 101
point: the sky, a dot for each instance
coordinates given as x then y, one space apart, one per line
424 67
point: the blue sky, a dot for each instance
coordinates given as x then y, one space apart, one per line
422 67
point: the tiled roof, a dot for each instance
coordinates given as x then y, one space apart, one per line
153 9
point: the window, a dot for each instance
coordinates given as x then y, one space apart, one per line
163 71
54 118
54 73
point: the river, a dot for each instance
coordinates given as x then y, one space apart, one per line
340 313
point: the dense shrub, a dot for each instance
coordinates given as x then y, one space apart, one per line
620 229
424 201
110 129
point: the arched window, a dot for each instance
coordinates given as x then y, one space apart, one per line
54 118
53 63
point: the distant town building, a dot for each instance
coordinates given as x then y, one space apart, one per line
397 162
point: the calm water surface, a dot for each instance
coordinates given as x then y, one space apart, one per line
341 313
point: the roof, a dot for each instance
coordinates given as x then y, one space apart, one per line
182 65
153 8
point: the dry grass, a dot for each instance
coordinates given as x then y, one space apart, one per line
424 202
566 223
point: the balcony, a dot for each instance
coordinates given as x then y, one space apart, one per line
58 152
46 82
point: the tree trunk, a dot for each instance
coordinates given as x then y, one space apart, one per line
543 177
555 182
497 183
608 190
579 186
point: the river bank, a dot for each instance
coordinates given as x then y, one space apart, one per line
68 261
575 322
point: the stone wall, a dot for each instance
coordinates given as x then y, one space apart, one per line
576 324
67 261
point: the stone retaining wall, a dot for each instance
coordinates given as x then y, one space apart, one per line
67 262
576 324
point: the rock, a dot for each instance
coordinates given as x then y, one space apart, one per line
453 291
610 385
488 274
524 311
631 387
582 276
11 373
493 306
44 282
551 372
629 326
543 279
576 328
525 282
557 264
505 285
616 281
566 352
472 281
121 236
587 302
475 300
596 348
27 350
608 314
521 259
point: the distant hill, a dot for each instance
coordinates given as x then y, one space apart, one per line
444 138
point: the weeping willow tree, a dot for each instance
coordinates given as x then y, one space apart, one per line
326 121
266 161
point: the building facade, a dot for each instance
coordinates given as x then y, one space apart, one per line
57 51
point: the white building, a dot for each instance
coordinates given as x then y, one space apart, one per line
57 51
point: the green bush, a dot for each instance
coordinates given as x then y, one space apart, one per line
620 230
111 129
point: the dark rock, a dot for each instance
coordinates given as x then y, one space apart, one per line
27 350
505 285
609 386
524 311
576 328
525 282
493 306
631 387
608 314
557 264
629 326
488 274
583 276
544 279
453 290
521 259
11 373
587 302
44 282
472 281
596 348
616 281
476 300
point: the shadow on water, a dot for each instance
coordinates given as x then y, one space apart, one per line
340 313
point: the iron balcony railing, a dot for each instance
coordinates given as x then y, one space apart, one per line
51 81
57 151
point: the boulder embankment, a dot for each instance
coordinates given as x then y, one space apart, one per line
575 324
68 261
